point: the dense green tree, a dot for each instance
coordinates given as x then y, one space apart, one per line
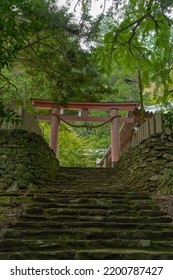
137 35
138 38
50 54
19 20
73 150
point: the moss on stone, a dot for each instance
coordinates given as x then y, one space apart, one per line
149 165
25 160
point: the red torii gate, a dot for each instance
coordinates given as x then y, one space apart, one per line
112 107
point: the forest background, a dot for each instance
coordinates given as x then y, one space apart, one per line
125 53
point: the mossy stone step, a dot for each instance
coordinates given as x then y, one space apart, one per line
42 245
104 218
123 254
88 212
70 225
93 211
78 192
91 233
85 214
151 213
162 244
65 200
90 254
97 204
89 224
37 255
85 195
72 206
13 245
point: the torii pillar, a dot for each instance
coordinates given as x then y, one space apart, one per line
54 130
115 137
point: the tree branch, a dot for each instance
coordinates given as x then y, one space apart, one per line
156 23
55 49
136 22
78 2
32 62
4 86
8 82
35 42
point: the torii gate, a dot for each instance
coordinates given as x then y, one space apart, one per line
112 107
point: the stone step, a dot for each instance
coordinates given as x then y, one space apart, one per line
76 172
108 218
63 194
90 234
89 224
93 211
162 244
90 254
123 254
80 211
83 200
42 245
37 255
86 194
89 205
88 202
87 213
14 245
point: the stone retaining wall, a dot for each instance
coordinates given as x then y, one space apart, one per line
150 164
25 160
28 122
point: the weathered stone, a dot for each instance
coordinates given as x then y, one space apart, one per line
156 177
169 144
25 158
94 215
161 162
145 165
168 157
142 165
150 159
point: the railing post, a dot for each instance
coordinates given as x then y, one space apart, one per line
105 162
115 137
54 130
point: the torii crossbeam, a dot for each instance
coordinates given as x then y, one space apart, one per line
112 108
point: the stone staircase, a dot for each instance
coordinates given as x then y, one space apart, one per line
87 213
